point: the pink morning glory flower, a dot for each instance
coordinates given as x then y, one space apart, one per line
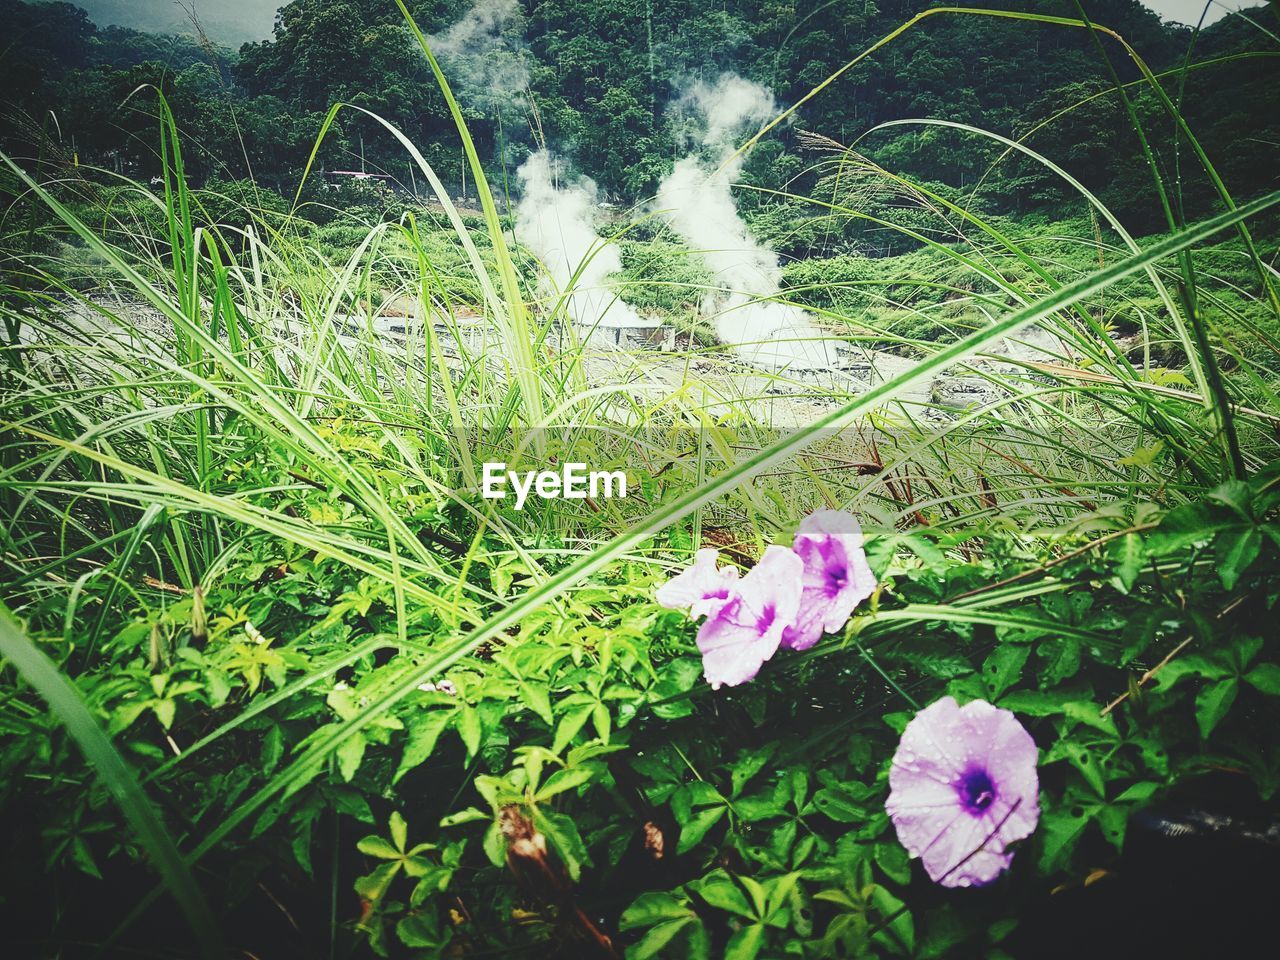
962 787
745 630
836 576
702 588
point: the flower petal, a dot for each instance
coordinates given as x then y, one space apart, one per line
694 589
745 631
943 750
836 576
774 584
733 650
968 853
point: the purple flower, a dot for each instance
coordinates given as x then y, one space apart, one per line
701 589
836 576
745 630
962 787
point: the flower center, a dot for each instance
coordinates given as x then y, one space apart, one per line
767 616
976 790
837 577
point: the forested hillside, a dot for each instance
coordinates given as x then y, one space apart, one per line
602 75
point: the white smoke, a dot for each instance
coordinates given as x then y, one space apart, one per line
723 109
697 199
484 53
555 223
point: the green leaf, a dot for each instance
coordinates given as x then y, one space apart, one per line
841 803
219 688
570 724
1079 756
1143 456
1194 666
399 830
1213 702
1236 495
746 943
373 886
1002 669
901 930
378 847
1087 712
424 731
1265 677
272 749
659 936
561 831
1234 551
1061 660
469 815
692 831
1181 527
469 729
601 720
1032 703
83 858
1061 831
164 711
1129 555
350 753
500 577
563 780
780 892
755 894
781 840
495 845
651 908
421 931
748 764
434 878
1114 821
719 891
538 700
1139 792
893 860
756 807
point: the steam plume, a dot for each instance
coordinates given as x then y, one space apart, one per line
697 199
484 53
555 224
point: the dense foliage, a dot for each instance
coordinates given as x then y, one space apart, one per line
277 681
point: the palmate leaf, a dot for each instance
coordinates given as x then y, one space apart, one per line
65 702
746 943
1213 702
1265 678
720 891
424 731
1234 551
560 829
669 921
1059 830
1003 668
